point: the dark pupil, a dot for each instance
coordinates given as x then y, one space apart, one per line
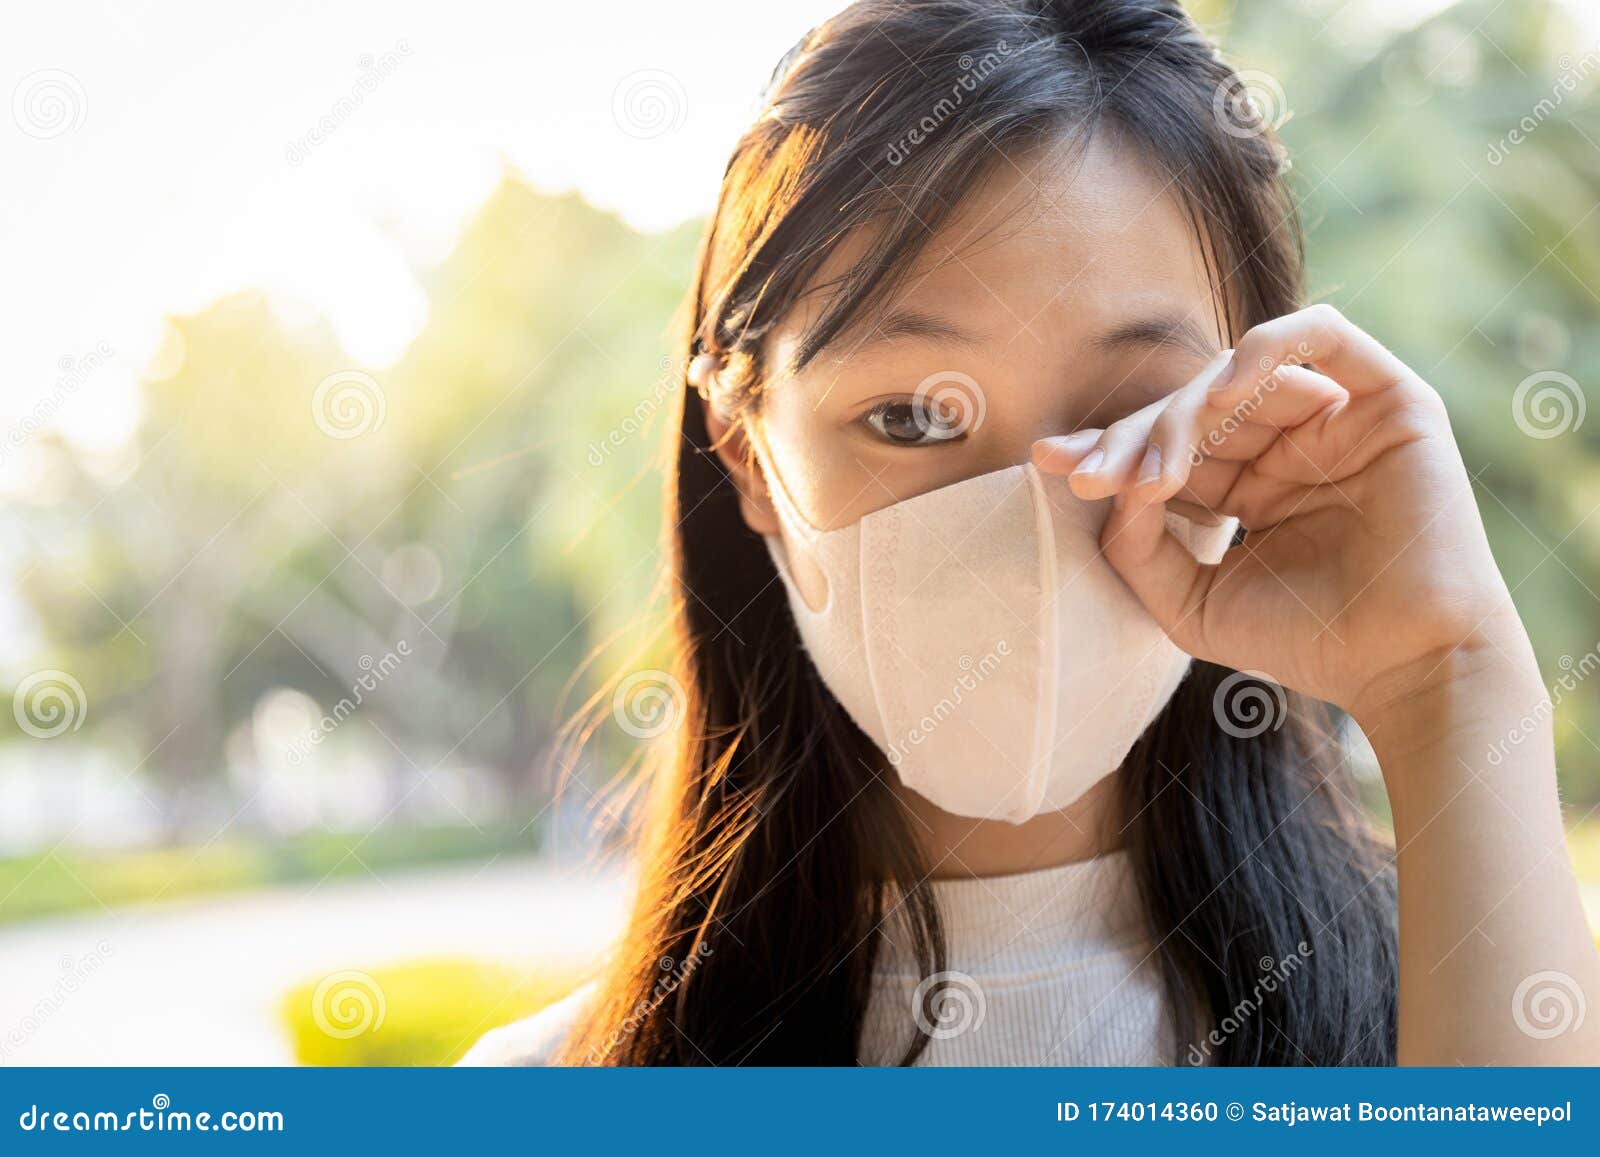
913 421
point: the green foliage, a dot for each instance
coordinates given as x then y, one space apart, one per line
427 1012
66 881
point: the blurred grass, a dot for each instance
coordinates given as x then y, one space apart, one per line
64 881
427 1012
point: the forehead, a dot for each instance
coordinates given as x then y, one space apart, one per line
1050 249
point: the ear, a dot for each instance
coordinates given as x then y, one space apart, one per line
737 454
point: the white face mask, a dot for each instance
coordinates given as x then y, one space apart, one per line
978 636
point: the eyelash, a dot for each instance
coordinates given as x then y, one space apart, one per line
926 424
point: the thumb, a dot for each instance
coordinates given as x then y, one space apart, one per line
1159 569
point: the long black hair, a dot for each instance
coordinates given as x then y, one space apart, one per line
775 849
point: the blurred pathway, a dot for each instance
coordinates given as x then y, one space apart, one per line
198 982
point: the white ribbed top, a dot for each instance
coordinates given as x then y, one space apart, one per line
1042 968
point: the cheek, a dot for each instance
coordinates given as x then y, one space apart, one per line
814 462
795 452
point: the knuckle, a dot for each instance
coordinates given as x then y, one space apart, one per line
1253 339
1113 435
1259 349
1175 425
1324 314
1425 401
1124 432
1419 410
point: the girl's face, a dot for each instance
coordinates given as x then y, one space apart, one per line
1068 292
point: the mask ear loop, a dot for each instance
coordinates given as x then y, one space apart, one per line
796 523
788 509
703 375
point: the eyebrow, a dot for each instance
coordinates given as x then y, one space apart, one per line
911 323
1165 330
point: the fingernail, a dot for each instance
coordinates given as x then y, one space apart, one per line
1072 443
1150 466
1056 453
1092 462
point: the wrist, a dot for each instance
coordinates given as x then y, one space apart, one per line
1458 719
1495 665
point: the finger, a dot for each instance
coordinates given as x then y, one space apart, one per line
1173 436
1161 470
1352 436
1210 484
1114 462
1186 416
1190 431
1061 454
1285 400
1161 572
1125 457
1319 335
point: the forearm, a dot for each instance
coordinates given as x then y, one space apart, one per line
1496 959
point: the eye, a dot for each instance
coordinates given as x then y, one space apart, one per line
913 422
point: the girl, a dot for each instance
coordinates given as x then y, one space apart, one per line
1004 408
